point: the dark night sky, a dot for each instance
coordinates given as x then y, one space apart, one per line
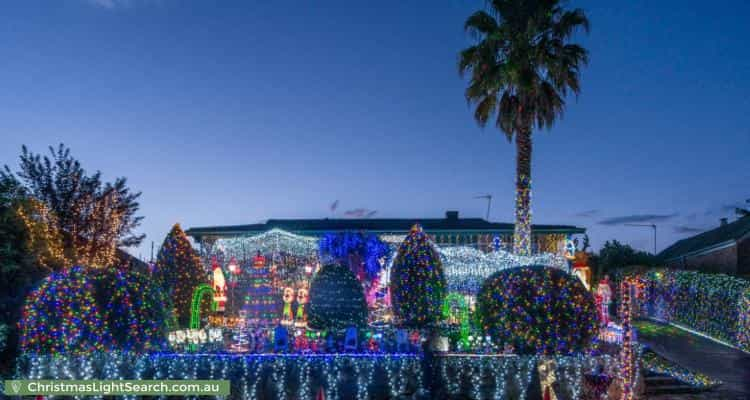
229 112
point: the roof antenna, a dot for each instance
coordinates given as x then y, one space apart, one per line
489 204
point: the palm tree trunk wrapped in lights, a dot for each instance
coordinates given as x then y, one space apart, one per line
522 231
521 67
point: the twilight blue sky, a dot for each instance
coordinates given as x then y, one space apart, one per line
230 112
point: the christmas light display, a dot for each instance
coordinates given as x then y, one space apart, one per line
522 229
418 284
287 376
456 312
337 300
299 376
261 300
537 310
203 290
370 251
80 310
715 305
659 365
300 317
273 241
219 286
629 351
61 316
603 299
509 377
135 311
466 267
180 272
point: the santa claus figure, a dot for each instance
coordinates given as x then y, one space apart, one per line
604 293
219 286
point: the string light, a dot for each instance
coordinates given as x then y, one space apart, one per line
417 281
293 376
715 305
337 300
539 310
657 364
273 241
61 316
522 230
180 270
466 267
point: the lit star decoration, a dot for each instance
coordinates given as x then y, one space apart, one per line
418 284
61 316
715 305
537 310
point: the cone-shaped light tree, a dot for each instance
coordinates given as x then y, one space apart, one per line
180 272
417 281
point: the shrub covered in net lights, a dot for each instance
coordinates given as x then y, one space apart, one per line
81 310
61 316
418 284
337 299
537 310
135 310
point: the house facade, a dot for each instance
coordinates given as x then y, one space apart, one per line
725 249
449 231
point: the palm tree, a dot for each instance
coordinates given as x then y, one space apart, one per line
521 68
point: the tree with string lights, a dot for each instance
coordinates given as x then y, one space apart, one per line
418 284
179 271
521 67
94 218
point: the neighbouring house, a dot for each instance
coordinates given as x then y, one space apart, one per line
448 231
725 249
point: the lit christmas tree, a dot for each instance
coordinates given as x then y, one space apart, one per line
417 281
261 306
180 272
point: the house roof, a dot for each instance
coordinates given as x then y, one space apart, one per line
706 240
379 225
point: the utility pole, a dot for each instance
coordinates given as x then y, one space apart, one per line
652 226
489 204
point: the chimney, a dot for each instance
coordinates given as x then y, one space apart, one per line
723 222
451 215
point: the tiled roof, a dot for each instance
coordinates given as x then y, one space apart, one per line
390 225
705 240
